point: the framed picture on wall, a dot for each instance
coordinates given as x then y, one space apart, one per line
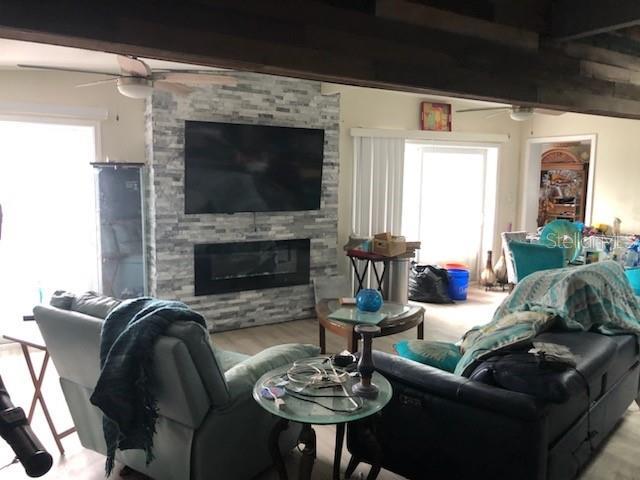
435 116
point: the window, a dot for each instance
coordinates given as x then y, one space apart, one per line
449 202
48 201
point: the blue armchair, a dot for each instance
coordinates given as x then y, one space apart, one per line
532 257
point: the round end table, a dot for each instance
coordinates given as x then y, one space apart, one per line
329 407
400 318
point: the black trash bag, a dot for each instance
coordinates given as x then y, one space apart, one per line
428 284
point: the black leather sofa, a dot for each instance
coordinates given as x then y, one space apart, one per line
439 425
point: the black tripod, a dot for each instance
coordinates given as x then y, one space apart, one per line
15 430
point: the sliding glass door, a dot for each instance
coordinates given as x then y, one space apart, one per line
47 195
448 193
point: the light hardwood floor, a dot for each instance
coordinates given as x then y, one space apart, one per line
619 459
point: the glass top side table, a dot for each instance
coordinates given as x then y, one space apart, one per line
335 411
400 318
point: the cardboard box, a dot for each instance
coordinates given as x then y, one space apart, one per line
388 245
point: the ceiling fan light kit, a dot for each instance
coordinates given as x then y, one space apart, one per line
135 87
521 114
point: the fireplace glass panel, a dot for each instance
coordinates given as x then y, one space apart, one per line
231 267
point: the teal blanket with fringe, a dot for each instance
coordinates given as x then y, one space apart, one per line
590 297
123 389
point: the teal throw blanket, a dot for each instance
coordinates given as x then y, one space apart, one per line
590 297
126 352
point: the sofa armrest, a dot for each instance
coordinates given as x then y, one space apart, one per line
242 377
456 388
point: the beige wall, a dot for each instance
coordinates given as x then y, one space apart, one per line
616 191
372 108
122 134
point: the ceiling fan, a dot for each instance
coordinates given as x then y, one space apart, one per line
516 112
138 80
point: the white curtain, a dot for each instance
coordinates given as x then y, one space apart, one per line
377 185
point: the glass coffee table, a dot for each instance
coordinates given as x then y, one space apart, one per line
317 406
400 318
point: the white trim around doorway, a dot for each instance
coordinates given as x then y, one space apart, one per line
531 178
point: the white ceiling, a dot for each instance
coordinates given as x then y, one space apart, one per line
13 52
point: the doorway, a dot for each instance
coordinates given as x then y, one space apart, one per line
449 202
558 180
47 195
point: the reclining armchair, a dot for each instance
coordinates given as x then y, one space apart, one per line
209 426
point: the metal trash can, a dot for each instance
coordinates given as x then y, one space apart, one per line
396 282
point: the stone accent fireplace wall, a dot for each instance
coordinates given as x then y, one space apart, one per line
171 235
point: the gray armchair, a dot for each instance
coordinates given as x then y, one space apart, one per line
209 425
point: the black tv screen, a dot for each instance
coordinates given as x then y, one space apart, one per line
233 167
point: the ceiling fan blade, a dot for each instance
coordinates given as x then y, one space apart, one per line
486 109
61 69
98 82
133 67
495 114
177 88
194 78
546 111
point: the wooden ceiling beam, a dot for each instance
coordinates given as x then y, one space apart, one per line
574 19
425 16
604 56
324 43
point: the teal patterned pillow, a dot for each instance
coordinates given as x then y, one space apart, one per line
442 355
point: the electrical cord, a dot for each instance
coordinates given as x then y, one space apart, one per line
335 410
313 374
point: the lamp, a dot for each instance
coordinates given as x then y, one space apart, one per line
521 114
135 87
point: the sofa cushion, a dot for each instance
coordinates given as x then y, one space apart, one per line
594 354
94 305
442 355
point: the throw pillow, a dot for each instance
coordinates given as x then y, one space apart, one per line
442 355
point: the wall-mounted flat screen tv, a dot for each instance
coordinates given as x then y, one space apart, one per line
233 167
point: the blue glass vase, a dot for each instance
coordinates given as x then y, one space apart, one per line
368 300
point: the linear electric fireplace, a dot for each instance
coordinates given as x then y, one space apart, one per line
233 267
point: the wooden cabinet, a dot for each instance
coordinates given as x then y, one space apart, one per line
563 186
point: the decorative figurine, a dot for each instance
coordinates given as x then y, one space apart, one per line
365 388
488 276
501 271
